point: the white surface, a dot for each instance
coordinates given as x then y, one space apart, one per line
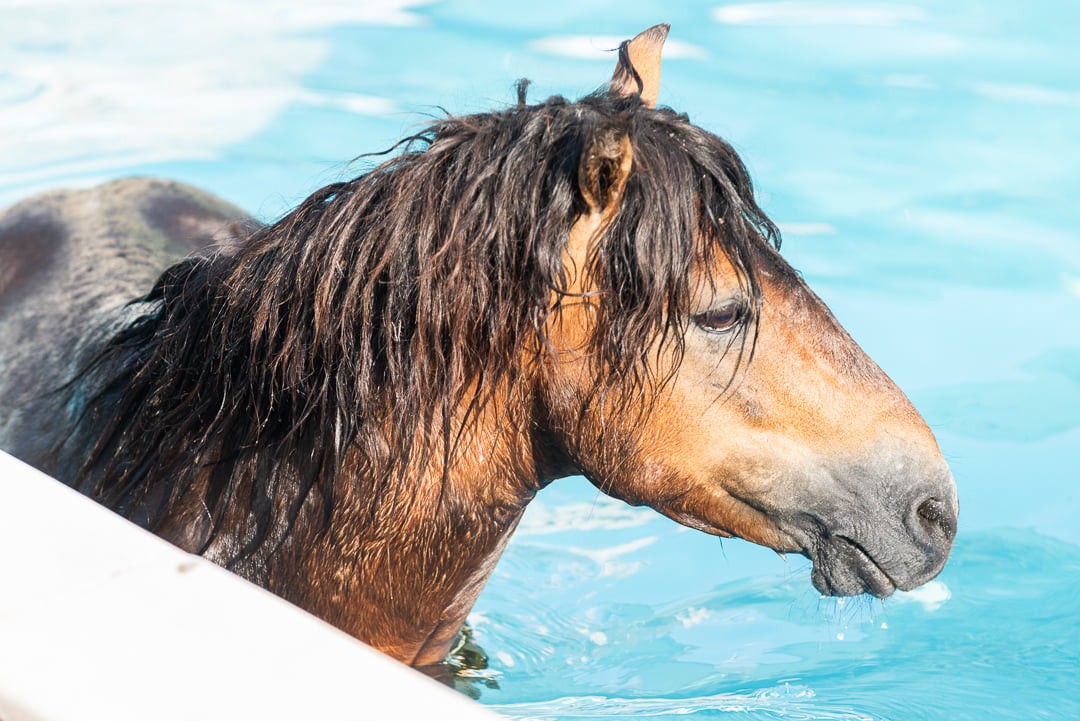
101 620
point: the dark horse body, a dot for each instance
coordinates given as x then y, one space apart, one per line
352 406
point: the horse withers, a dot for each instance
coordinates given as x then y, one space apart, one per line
352 406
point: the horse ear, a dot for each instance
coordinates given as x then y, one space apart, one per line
638 69
605 165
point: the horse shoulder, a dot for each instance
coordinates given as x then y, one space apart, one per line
31 241
126 231
70 261
187 220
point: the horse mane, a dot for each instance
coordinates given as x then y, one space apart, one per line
359 323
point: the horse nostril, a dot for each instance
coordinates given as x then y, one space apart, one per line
936 519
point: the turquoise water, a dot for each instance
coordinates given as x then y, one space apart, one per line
923 161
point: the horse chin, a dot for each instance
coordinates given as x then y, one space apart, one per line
844 568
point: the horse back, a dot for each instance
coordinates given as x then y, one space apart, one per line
70 263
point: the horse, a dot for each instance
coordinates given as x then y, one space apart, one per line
352 406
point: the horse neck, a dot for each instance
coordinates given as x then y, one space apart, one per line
402 557
402 574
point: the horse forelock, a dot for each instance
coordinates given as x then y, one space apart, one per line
344 341
688 211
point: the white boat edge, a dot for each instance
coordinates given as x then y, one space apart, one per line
103 621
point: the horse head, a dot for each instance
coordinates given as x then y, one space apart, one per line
690 368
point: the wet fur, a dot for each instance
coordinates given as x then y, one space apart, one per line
338 344
274 400
353 406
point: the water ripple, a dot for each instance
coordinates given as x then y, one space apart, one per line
782 702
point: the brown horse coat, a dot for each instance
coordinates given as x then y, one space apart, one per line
353 406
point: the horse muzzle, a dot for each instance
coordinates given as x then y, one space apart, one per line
887 535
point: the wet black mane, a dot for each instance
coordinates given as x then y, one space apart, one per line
351 331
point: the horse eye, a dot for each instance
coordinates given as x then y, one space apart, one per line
722 319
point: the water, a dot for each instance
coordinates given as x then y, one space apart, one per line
921 159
